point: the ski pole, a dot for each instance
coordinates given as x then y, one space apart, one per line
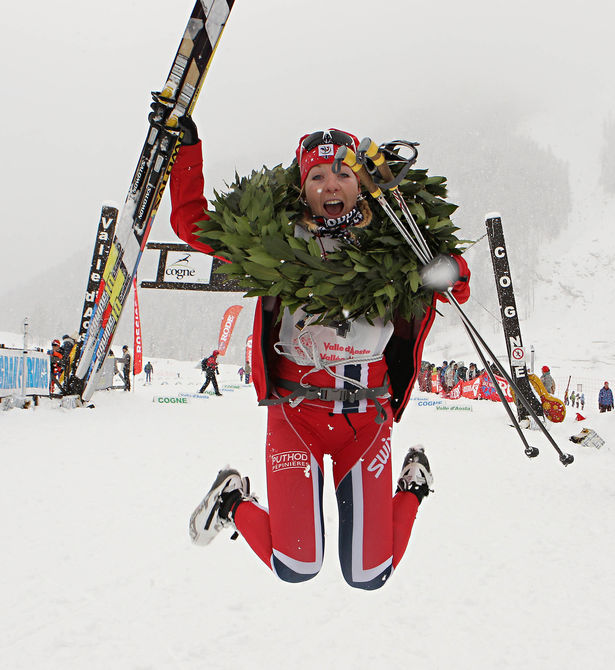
530 452
369 149
422 251
566 459
347 156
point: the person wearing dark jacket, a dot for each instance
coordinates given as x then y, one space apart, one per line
209 365
65 349
67 346
55 364
125 361
605 398
330 388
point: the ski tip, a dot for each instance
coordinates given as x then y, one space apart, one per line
111 204
492 215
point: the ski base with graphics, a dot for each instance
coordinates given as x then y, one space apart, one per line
177 99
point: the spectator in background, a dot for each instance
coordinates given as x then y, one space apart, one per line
209 366
449 376
65 348
125 361
572 398
442 372
55 364
241 373
462 372
472 371
248 370
429 377
455 374
605 398
148 369
582 400
425 377
547 380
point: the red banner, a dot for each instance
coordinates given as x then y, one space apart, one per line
137 361
226 327
480 387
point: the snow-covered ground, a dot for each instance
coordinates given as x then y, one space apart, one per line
509 565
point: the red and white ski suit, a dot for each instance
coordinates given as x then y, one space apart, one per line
374 527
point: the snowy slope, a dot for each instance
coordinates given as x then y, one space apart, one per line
509 564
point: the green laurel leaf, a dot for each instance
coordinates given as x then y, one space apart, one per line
373 274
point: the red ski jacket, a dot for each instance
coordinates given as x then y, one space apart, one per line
404 350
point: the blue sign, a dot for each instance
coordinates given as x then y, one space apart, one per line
12 371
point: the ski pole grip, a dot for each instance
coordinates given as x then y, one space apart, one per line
372 151
348 156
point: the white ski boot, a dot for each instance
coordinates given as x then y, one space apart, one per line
416 474
216 510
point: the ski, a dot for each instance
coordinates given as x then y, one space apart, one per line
176 99
102 244
104 237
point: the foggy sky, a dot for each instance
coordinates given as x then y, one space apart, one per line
77 81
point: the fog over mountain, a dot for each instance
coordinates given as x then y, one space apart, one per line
513 104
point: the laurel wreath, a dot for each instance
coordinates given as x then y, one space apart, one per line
373 275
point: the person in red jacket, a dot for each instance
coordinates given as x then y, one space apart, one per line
316 407
56 365
209 365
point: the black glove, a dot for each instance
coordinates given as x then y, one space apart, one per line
159 113
158 117
440 273
190 133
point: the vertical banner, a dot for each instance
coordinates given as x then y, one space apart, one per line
226 327
104 237
510 318
137 361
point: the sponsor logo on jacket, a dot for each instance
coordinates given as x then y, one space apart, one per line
290 459
382 458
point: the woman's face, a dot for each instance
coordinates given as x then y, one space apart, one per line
328 194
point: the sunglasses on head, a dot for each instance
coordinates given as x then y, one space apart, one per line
327 137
